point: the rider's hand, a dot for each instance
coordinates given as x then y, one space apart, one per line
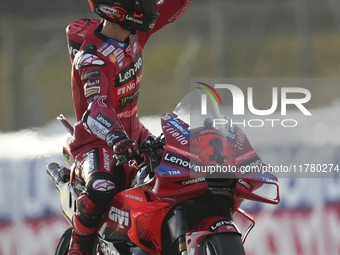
126 147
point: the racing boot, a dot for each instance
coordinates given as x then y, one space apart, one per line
82 239
81 244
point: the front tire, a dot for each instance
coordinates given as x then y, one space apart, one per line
64 242
222 244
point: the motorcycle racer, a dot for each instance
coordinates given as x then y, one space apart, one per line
107 59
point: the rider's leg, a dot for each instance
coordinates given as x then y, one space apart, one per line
96 166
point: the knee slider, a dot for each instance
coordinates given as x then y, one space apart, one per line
85 205
101 189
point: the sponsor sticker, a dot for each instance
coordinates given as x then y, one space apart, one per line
128 99
117 52
165 170
245 157
92 90
91 162
97 128
135 46
112 58
264 176
180 128
105 121
119 216
182 152
168 129
92 82
165 117
222 223
106 159
191 181
231 133
127 114
108 247
89 60
108 10
130 72
91 98
108 50
253 165
180 161
245 184
126 88
134 20
91 74
103 185
116 43
104 46
120 57
134 197
240 138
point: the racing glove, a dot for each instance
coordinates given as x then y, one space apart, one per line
123 147
126 147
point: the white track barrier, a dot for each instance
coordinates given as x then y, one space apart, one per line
307 221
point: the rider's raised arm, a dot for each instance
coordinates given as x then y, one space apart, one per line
169 11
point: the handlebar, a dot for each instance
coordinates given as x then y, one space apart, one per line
153 144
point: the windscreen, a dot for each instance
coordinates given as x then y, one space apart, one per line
198 108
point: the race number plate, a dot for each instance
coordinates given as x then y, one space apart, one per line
107 247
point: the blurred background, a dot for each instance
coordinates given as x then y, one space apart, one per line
213 39
220 39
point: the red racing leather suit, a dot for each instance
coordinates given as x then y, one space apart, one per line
107 75
106 79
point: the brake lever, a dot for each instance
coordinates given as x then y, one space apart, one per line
120 159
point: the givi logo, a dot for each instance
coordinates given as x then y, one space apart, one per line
119 216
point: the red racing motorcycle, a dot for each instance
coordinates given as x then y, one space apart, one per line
182 198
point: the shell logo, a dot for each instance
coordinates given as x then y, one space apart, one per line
112 58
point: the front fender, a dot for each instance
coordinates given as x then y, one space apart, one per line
208 226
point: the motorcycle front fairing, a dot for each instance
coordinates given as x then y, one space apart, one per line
216 143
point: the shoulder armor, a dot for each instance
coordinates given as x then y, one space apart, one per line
75 33
88 57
